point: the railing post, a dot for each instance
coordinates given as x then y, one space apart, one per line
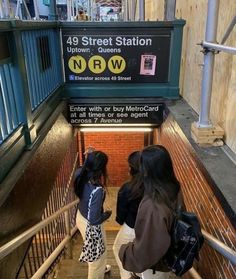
23 87
68 233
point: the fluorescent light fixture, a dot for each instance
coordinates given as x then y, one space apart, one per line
114 129
117 125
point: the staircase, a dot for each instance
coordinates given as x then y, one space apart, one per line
73 269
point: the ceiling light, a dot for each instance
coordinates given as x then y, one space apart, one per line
115 129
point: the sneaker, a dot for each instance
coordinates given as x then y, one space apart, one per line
108 268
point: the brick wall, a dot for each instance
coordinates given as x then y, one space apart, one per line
200 198
118 146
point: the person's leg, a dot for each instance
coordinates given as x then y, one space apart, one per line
96 269
125 235
81 224
148 274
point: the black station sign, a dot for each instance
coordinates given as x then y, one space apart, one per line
122 55
111 114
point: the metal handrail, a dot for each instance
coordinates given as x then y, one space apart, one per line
219 246
9 247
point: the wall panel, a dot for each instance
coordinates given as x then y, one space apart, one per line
200 197
223 91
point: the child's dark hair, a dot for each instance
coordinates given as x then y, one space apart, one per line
93 170
158 174
136 183
133 160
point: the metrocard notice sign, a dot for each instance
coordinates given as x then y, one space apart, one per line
117 55
110 114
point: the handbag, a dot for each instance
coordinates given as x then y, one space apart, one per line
93 246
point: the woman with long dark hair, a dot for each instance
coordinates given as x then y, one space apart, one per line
129 197
155 216
90 182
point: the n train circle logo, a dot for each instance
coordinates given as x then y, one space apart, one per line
97 64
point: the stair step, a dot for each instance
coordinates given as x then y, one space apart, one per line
73 269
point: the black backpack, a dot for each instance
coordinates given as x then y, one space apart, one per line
186 242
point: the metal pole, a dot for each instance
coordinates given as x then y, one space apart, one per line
68 234
219 246
1 9
68 10
141 10
132 10
219 47
229 29
169 12
7 8
10 246
53 10
73 9
92 10
26 9
89 9
126 10
194 273
36 10
209 57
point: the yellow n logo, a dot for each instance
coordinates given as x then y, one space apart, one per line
77 64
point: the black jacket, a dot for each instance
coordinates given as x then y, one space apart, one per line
126 210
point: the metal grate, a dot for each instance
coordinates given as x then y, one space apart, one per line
43 63
44 52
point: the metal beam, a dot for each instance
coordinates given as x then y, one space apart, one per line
132 9
169 12
2 14
219 47
229 29
209 58
219 246
53 10
7 248
126 10
36 10
141 7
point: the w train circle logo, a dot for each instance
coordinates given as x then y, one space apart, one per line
97 64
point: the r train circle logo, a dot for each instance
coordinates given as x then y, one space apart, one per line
97 64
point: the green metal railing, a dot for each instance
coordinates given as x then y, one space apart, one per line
30 84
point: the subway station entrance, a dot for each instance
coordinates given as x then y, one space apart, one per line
117 90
